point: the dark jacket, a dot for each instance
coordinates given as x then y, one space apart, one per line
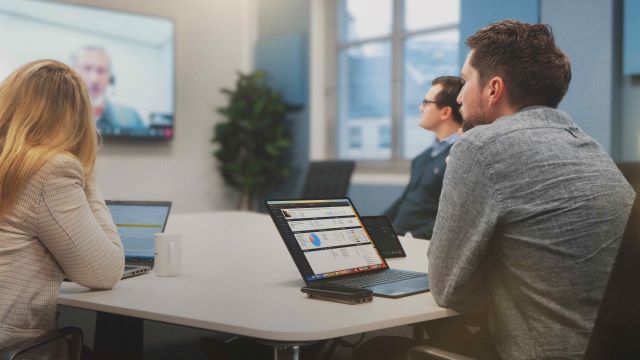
415 211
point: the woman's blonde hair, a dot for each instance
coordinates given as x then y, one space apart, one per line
44 111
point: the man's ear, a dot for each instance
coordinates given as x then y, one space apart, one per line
496 90
445 112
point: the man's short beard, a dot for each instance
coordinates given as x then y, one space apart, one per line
468 124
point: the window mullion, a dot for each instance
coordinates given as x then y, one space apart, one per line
397 76
430 30
353 43
331 90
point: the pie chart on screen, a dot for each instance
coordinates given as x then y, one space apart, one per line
315 239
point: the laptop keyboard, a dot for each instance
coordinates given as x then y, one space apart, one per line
378 278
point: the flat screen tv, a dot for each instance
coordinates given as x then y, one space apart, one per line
127 60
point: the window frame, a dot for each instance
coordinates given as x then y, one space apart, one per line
398 37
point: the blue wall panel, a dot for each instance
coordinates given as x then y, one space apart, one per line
475 14
285 58
631 60
584 30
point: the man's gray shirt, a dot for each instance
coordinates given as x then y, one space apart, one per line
531 215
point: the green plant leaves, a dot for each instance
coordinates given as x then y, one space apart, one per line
253 141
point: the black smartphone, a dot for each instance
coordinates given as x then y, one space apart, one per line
383 235
341 294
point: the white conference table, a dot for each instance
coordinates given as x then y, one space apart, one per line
238 278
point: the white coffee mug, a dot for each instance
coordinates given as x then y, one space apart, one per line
168 254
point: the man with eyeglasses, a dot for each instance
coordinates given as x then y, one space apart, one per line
415 211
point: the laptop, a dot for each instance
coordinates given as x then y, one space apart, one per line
137 222
329 245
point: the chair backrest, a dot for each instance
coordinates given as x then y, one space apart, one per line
616 332
631 172
327 179
41 346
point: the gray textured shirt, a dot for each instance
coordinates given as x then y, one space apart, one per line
531 215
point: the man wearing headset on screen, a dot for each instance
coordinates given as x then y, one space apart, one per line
93 64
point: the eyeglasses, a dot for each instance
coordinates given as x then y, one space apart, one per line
425 102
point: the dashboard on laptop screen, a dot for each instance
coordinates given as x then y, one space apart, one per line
325 237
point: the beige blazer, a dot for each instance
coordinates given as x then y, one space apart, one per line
59 225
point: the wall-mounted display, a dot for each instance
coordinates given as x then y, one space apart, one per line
127 60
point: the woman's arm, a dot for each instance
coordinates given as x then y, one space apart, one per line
76 227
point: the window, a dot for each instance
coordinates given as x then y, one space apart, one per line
386 54
355 137
384 136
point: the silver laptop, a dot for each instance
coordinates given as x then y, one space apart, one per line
137 222
329 245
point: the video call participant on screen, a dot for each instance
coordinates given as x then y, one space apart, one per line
532 209
94 66
415 211
53 220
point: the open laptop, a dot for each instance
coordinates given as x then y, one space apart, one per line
137 222
329 245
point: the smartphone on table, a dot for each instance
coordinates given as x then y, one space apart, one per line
341 294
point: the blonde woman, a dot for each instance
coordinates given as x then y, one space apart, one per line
53 220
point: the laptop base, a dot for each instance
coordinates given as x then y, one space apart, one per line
402 288
135 271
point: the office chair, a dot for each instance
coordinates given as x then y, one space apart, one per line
631 172
327 179
72 335
617 327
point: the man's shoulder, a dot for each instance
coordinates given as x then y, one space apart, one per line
123 115
512 127
427 154
121 109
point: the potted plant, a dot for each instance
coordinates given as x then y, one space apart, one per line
253 140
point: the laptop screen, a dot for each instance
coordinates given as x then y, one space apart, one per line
325 237
137 222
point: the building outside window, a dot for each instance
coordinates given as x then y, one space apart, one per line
355 137
386 54
384 136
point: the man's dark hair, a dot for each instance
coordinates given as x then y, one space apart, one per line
448 96
534 70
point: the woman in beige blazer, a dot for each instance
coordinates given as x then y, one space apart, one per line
53 219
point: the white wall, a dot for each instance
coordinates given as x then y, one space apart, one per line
214 40
318 83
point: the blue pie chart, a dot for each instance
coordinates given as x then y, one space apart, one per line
315 240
